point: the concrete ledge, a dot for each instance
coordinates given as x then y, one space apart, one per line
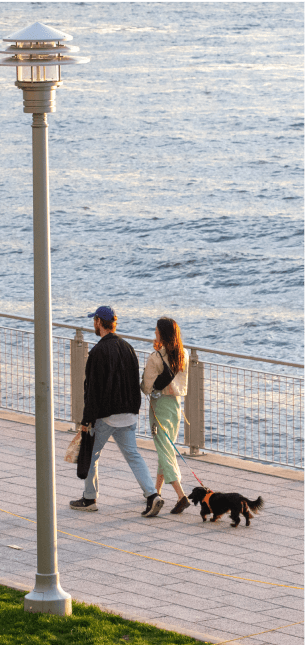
148 444
27 419
251 466
232 462
20 587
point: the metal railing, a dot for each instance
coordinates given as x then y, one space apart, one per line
250 413
240 411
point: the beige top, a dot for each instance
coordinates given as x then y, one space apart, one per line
154 367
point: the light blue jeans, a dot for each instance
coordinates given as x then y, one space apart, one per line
125 438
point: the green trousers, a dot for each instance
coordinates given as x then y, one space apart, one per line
168 411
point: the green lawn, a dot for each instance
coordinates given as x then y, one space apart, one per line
88 625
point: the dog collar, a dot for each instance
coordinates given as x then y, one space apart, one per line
206 499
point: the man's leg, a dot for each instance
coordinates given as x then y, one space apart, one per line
87 502
126 440
102 433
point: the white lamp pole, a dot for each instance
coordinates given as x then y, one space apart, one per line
38 53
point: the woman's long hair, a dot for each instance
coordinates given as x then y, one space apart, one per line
171 339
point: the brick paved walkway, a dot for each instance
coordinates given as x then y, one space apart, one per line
210 607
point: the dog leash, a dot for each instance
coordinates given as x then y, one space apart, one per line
180 455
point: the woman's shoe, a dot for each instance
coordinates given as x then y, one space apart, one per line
181 505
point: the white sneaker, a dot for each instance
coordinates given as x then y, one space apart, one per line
154 505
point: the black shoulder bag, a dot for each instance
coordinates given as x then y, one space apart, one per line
165 378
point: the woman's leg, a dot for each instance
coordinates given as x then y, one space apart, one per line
159 483
167 411
178 488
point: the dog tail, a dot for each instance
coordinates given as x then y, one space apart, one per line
255 506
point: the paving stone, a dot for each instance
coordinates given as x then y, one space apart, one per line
238 628
135 600
293 600
286 615
270 560
144 576
196 590
125 609
281 639
270 574
90 598
295 630
14 458
238 614
162 594
90 575
10 556
82 586
182 626
249 642
80 565
21 532
24 544
297 568
14 579
184 614
245 602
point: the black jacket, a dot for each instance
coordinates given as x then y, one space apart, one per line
112 380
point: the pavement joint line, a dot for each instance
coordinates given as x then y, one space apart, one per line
259 633
166 562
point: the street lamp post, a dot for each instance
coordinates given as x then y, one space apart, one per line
38 53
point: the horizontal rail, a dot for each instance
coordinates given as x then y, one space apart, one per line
187 346
67 339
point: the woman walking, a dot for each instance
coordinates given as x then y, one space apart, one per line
165 380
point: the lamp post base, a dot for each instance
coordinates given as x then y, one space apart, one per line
48 597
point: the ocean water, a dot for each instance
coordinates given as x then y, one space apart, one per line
176 171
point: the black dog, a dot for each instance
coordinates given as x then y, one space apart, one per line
220 503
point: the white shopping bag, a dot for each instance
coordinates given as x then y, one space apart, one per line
73 448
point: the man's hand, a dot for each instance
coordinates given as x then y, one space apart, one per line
84 428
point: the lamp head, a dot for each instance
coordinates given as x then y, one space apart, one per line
38 52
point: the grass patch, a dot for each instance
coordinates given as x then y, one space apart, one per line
88 625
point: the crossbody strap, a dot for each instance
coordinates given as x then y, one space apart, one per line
166 365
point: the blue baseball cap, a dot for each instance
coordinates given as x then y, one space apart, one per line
104 312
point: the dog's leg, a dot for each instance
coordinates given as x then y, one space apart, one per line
204 511
246 513
247 516
235 517
215 518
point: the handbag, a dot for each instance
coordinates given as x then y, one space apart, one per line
165 378
73 449
85 454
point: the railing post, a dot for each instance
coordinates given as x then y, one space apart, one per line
193 432
79 354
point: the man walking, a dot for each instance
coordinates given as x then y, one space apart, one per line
112 402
